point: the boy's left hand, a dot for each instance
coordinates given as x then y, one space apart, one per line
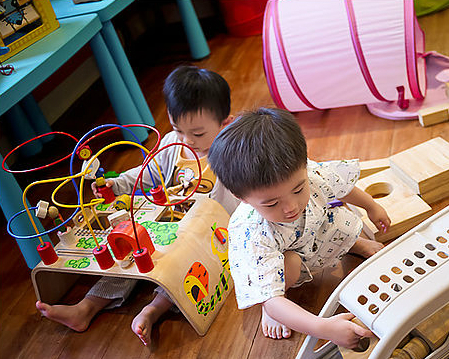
378 215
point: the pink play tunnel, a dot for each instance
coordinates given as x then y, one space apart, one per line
321 54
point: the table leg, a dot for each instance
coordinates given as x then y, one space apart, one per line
11 203
120 98
121 60
195 36
35 116
22 131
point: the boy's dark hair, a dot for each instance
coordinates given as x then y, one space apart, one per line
191 90
260 148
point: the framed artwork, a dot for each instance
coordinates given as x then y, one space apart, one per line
23 22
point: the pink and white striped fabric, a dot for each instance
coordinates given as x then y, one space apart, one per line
321 54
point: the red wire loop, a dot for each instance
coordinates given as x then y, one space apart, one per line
145 163
31 140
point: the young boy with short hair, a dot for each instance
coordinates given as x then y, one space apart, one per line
198 106
285 230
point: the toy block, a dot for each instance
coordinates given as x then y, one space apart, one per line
42 208
434 330
122 239
424 167
373 166
436 194
405 208
118 217
432 115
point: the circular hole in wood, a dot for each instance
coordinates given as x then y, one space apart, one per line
363 345
373 308
396 270
384 278
408 279
442 255
379 189
384 297
373 288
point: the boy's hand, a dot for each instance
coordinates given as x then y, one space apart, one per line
378 215
341 331
97 194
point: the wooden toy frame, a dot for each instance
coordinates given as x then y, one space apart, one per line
49 24
191 265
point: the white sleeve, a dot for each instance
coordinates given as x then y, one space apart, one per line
166 160
257 265
222 195
341 176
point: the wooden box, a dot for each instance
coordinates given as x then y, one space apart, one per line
425 168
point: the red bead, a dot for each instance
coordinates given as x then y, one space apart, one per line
47 253
103 257
143 260
107 193
158 195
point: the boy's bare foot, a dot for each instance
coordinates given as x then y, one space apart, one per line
143 322
272 328
76 317
365 247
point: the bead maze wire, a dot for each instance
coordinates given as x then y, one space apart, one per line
149 155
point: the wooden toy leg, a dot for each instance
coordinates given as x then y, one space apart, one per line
11 203
121 60
119 96
195 36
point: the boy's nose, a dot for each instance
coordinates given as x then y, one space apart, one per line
290 207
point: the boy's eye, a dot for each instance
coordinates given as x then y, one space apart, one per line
271 205
298 191
198 134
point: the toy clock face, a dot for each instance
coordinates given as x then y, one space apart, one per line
85 153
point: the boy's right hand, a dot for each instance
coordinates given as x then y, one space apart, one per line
94 187
343 332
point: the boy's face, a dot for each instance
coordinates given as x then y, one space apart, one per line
198 130
283 202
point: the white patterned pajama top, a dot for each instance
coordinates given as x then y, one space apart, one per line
321 236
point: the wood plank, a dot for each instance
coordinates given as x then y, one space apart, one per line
424 167
404 208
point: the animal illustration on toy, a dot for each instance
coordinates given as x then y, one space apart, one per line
177 242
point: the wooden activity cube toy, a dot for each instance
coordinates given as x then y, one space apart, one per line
190 262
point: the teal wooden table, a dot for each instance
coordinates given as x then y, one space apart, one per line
107 9
32 66
127 99
119 74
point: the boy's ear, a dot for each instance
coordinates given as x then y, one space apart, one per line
241 199
228 120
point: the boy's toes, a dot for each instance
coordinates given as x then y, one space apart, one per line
286 332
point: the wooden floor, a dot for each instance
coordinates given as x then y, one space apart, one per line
333 134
